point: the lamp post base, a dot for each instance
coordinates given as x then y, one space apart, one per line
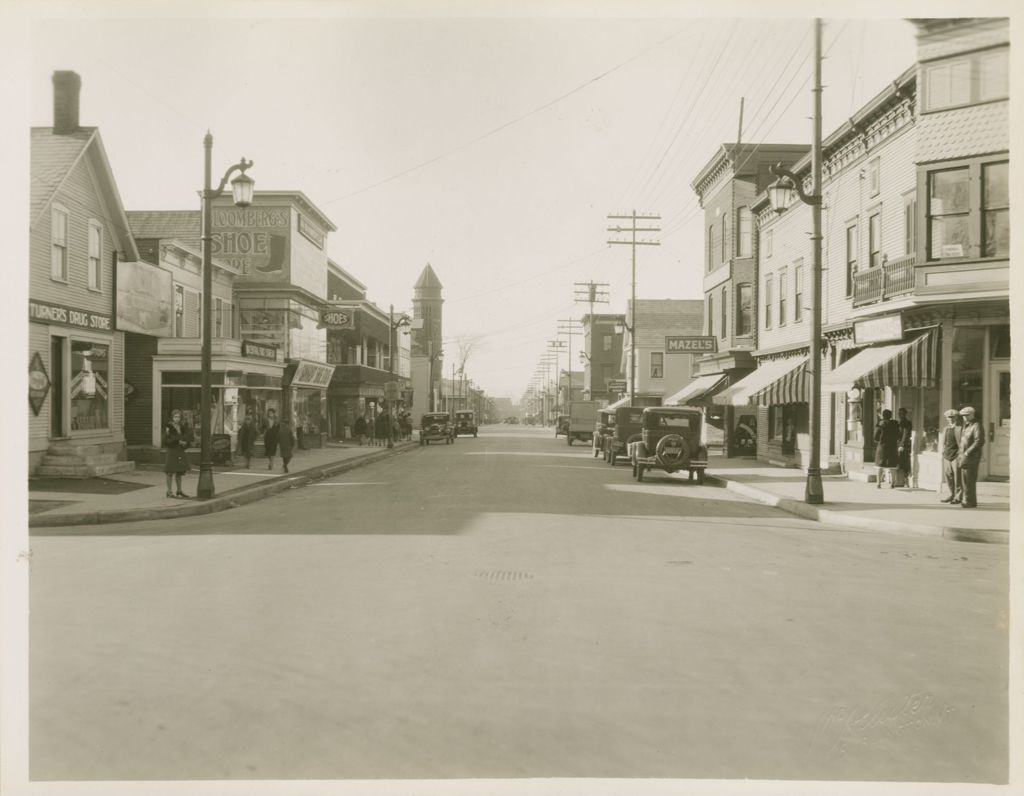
205 489
814 494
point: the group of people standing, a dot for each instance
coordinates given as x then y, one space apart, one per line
178 436
373 430
962 441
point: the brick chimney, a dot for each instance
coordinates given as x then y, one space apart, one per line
66 86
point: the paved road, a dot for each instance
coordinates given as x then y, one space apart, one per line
511 607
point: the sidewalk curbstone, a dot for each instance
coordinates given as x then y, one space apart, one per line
233 498
832 517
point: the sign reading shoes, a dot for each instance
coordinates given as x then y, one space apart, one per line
343 318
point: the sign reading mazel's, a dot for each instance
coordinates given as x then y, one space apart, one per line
45 312
690 344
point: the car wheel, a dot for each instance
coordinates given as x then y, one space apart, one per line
700 476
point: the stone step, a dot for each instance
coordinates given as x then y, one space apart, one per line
82 448
62 460
84 470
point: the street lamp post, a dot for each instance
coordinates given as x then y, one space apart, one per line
241 189
781 195
392 384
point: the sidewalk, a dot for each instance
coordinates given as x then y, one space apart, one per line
854 504
141 493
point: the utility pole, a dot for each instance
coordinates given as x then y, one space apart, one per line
633 242
557 346
569 327
590 293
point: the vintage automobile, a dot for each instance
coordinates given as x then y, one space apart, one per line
436 426
625 431
465 422
671 440
562 425
602 428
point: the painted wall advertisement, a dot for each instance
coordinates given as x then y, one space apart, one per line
255 240
145 300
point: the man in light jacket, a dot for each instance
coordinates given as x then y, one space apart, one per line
972 440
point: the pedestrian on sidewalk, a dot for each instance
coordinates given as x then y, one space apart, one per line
972 439
285 442
371 428
903 451
951 474
380 429
887 442
177 438
270 437
360 429
247 439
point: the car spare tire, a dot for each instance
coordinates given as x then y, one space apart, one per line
672 450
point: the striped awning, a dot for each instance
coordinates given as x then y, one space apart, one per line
913 364
696 390
778 382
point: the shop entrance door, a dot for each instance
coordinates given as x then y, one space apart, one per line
997 422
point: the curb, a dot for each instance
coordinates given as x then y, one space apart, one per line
227 500
801 509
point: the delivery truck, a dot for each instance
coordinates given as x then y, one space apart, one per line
582 416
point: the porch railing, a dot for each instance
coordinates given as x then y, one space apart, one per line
892 278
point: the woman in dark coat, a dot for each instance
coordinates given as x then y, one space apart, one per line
380 428
906 441
887 443
270 438
177 437
247 439
360 429
285 442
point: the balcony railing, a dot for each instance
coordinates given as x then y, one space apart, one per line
892 278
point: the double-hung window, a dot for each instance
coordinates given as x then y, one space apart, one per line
875 240
725 238
95 254
783 286
711 315
768 301
949 214
968 211
851 257
798 291
743 232
657 364
910 224
744 321
725 312
978 77
995 210
59 244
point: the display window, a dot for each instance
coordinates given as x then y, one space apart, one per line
308 411
90 397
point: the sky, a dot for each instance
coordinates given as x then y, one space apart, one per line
491 146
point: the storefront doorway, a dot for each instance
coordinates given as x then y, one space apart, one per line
58 426
998 421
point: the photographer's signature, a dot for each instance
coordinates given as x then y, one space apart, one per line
846 726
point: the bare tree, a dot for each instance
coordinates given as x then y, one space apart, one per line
465 343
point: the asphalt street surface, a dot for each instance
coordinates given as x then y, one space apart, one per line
508 607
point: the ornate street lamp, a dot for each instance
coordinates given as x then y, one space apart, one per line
781 194
241 191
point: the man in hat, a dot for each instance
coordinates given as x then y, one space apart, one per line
951 474
972 439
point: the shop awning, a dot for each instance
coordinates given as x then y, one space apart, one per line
913 364
782 381
700 388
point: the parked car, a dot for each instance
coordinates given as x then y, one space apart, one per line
581 421
671 440
602 428
436 426
562 425
465 422
628 420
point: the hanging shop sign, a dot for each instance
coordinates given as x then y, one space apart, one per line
38 383
338 318
145 299
691 345
45 312
259 350
253 240
312 374
616 385
878 330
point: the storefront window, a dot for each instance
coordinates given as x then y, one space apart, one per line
308 411
90 400
931 418
999 342
968 367
305 340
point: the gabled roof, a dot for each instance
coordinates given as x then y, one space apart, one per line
428 279
53 157
177 224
